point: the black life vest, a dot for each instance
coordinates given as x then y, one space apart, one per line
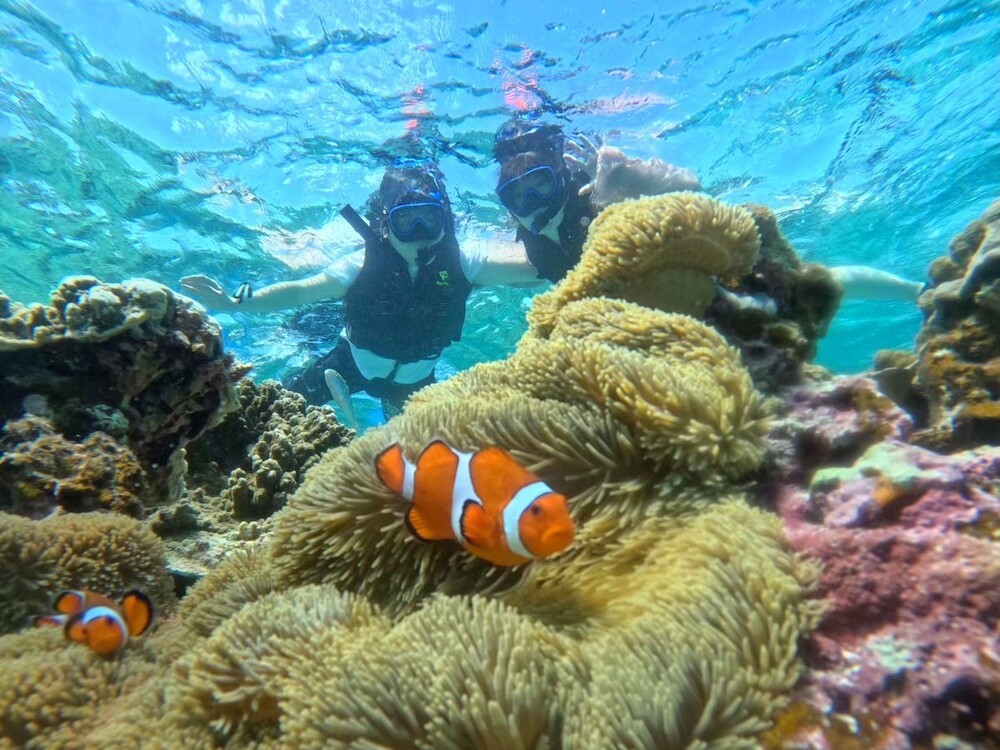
403 320
553 260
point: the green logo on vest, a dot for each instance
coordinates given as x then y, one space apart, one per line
443 279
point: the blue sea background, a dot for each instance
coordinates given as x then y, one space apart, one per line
161 139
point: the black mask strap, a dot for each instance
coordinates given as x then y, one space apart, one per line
357 223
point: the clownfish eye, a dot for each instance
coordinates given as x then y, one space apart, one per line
535 510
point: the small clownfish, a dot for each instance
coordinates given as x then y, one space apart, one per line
494 507
96 620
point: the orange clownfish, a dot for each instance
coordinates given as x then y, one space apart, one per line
90 618
486 500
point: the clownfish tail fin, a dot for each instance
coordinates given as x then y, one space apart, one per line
390 465
137 612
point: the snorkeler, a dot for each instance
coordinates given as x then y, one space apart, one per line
404 295
555 186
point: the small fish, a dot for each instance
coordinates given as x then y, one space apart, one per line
494 507
341 396
97 621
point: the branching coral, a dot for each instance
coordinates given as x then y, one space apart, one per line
104 552
663 252
286 437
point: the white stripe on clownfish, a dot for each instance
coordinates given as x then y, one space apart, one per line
409 473
513 512
461 492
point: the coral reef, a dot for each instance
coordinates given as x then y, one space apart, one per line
958 348
285 438
130 359
673 620
908 651
776 313
241 472
105 552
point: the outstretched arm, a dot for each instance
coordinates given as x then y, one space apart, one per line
332 283
863 282
615 177
491 262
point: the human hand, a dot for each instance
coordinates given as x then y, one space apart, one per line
617 177
581 154
208 292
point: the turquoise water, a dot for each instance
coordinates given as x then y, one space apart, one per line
161 139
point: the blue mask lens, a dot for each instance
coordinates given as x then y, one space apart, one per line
414 222
529 191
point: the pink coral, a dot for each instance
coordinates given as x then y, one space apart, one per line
908 542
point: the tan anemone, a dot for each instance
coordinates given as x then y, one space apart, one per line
105 552
663 252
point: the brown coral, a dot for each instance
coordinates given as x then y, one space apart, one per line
42 472
663 252
958 348
133 354
240 472
776 313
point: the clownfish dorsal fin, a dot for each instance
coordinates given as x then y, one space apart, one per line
70 602
390 465
477 529
137 611
497 476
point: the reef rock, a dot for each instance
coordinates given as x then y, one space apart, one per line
908 651
41 472
131 359
958 348
263 448
776 313
829 421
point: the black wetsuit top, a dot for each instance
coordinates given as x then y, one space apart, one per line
407 320
553 260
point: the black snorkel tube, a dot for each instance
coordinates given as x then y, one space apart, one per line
358 224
